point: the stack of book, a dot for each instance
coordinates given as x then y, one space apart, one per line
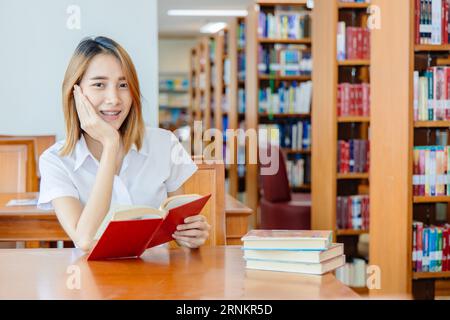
352 42
431 20
309 252
284 23
431 94
431 173
353 99
353 156
431 251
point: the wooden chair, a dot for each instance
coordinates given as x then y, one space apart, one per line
13 168
210 178
13 173
32 183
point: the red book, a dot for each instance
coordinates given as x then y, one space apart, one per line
339 100
130 230
445 21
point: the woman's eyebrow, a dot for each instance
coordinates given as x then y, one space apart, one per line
105 78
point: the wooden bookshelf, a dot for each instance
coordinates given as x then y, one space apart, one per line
431 275
254 81
432 124
327 183
441 199
354 63
285 41
350 232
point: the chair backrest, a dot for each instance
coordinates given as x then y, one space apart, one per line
276 187
42 143
210 178
32 184
13 168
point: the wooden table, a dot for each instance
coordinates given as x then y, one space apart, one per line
27 223
161 273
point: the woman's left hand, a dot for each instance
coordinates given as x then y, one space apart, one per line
193 233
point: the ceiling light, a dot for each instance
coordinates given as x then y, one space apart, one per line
207 13
213 27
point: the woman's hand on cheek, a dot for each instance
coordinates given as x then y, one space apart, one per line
92 123
193 233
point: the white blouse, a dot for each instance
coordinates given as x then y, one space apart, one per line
161 166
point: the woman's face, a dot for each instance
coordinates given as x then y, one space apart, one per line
105 86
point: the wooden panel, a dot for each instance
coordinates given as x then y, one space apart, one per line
218 81
13 168
324 124
236 220
251 106
211 179
207 273
233 102
32 177
391 174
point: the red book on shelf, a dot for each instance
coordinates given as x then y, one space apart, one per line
129 230
339 100
359 43
445 21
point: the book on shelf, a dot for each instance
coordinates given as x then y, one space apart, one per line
297 267
241 35
431 176
298 170
295 135
353 212
353 100
288 239
353 273
298 255
353 156
284 60
432 94
284 23
430 248
288 98
431 21
127 231
353 43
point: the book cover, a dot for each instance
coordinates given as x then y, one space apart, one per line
130 238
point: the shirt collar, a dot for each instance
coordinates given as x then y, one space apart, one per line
82 152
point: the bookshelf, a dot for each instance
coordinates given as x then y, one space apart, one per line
261 52
174 99
332 183
393 204
201 89
235 89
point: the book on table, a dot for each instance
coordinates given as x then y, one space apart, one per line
297 267
127 231
295 255
298 251
288 239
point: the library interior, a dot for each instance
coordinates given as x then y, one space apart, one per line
319 129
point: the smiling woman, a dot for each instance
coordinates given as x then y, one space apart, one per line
109 157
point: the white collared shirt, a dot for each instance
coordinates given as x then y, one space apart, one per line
146 176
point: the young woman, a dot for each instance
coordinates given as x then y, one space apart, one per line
109 156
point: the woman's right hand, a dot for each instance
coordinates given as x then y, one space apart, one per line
92 123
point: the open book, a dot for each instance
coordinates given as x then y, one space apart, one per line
127 231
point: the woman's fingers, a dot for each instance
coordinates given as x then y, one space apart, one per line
79 106
192 233
194 225
190 242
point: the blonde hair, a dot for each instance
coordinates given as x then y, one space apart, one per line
133 128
